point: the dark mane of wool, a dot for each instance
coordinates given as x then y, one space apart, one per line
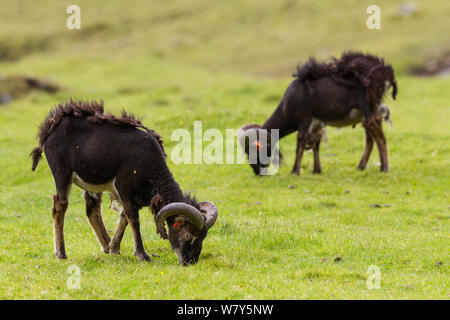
349 56
351 69
312 70
92 111
362 66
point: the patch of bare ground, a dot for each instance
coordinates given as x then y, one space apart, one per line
14 49
16 86
437 64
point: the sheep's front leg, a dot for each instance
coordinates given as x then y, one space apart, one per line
94 214
367 151
317 166
298 159
132 215
114 246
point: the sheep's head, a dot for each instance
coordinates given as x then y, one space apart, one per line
188 226
258 146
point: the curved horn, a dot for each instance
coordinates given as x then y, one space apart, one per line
211 212
178 208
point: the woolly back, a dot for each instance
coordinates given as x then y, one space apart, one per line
92 111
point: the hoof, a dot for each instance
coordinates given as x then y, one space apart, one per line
114 250
60 255
361 167
143 256
297 173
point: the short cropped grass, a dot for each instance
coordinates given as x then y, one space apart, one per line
277 237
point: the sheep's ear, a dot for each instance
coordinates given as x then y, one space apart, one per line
157 203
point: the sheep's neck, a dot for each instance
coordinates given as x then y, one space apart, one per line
278 121
169 189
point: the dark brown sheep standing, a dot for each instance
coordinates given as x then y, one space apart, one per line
100 152
344 92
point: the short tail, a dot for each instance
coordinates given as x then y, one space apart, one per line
36 155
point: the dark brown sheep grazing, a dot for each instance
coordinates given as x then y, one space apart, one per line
344 92
100 152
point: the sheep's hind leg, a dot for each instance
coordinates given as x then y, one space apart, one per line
114 246
317 167
375 129
94 214
380 139
60 204
367 151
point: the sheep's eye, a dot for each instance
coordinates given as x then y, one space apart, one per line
188 236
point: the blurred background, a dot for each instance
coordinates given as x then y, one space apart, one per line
228 63
249 37
224 62
178 61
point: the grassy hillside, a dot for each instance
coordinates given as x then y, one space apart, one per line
239 36
227 64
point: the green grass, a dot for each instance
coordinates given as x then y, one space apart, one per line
277 236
